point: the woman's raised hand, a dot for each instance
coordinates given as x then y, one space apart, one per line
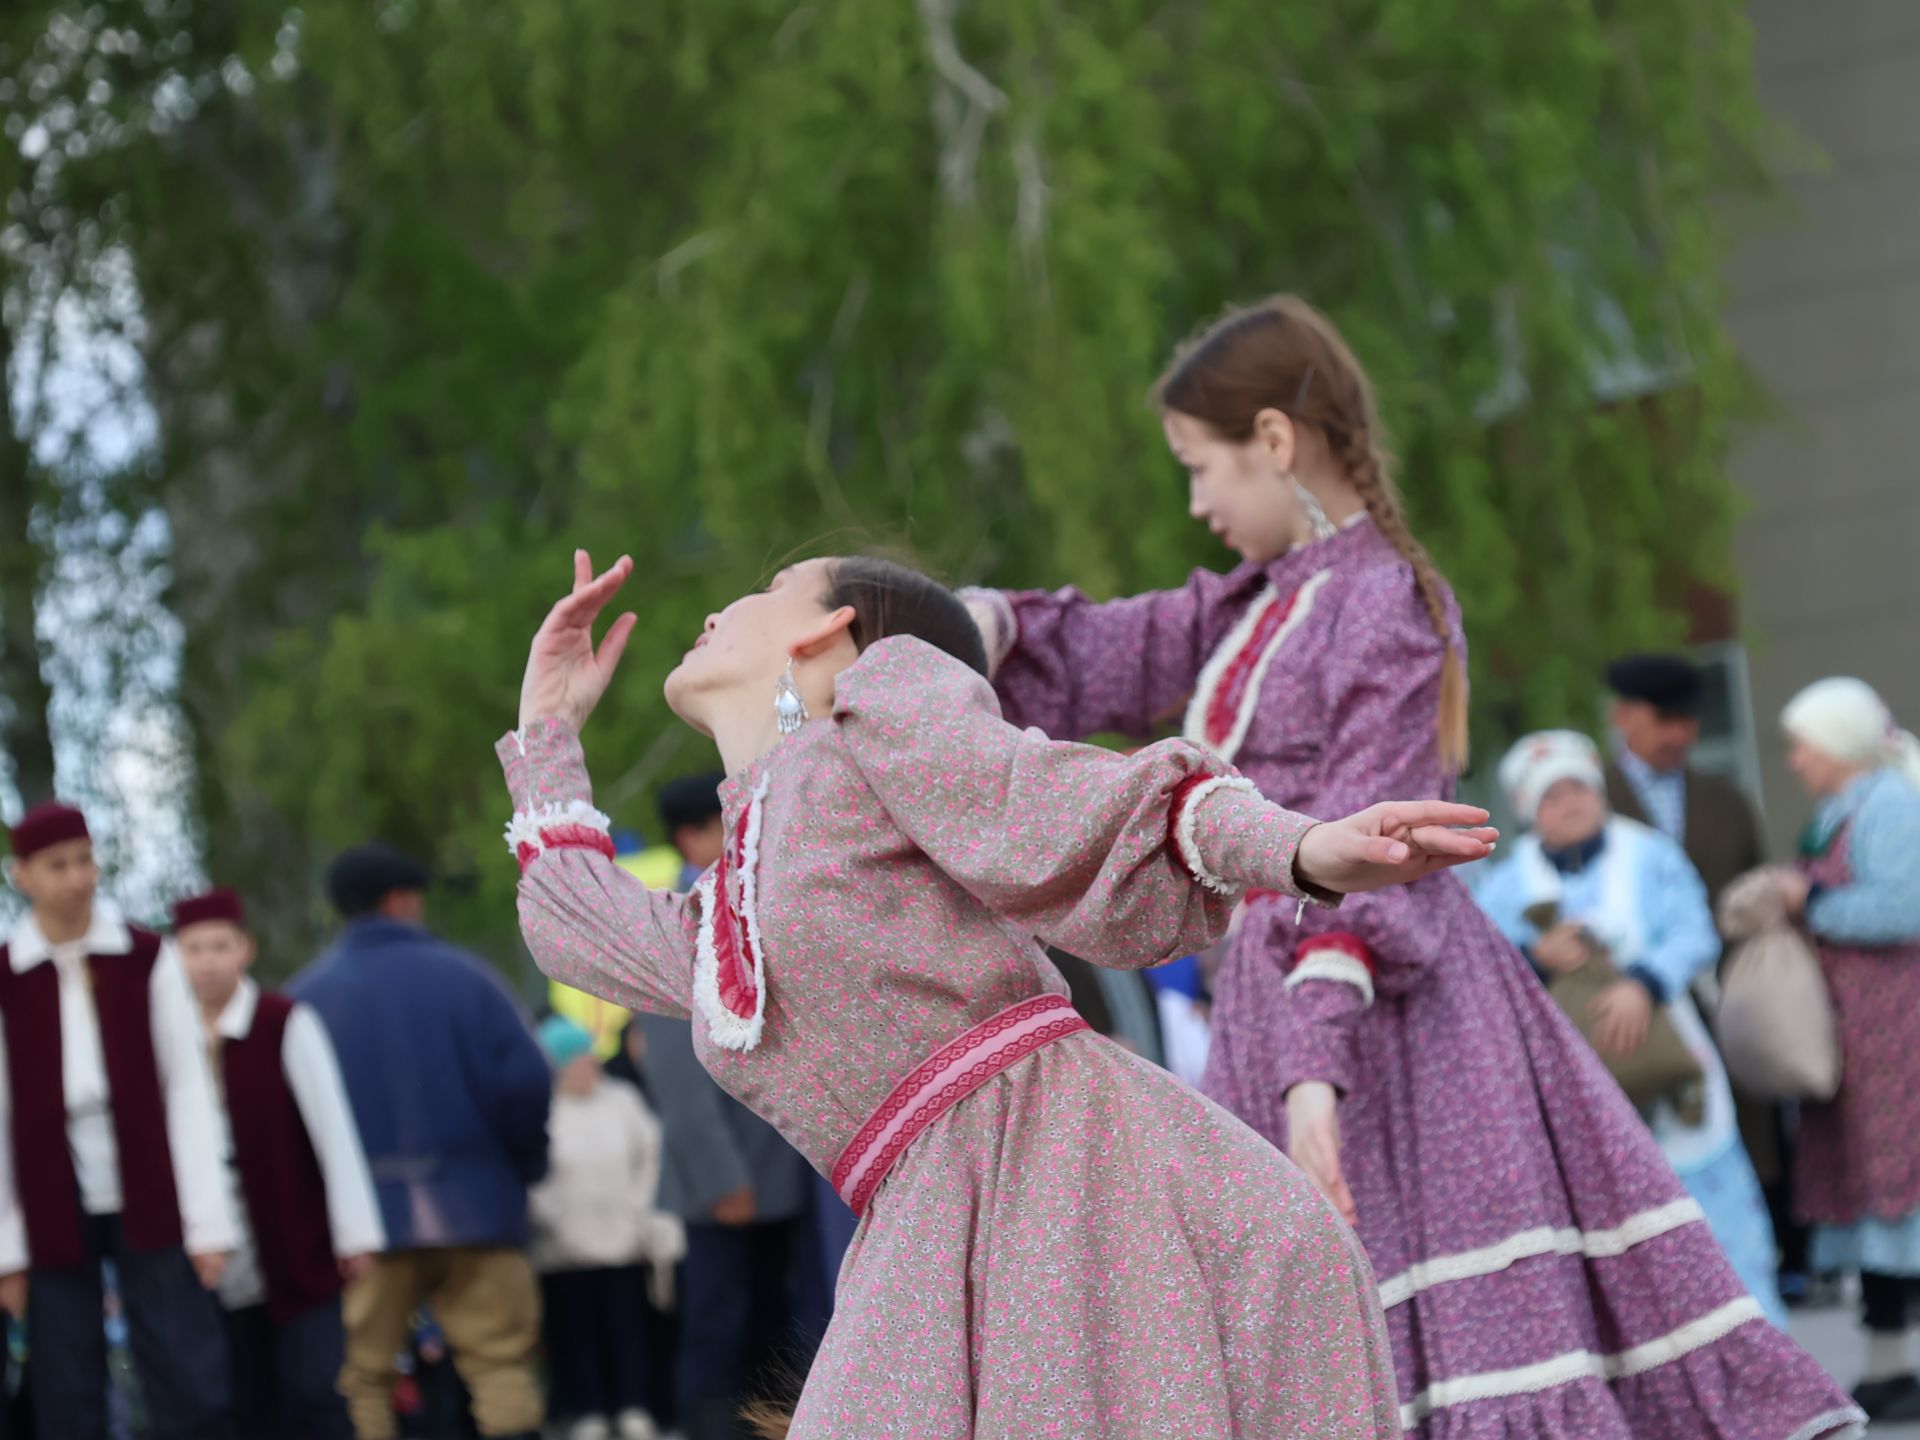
1392 844
565 675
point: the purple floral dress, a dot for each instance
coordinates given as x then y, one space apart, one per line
1543 1271
1057 1239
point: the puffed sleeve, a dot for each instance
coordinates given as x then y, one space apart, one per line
1380 685
1075 667
1881 904
587 922
1122 860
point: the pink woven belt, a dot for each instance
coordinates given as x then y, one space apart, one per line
943 1080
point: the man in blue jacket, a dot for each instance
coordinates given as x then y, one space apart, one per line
451 1092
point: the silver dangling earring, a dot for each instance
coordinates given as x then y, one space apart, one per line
789 709
1318 525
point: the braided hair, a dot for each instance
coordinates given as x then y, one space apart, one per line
1282 354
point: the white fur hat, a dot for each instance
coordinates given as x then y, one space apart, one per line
1540 761
1847 719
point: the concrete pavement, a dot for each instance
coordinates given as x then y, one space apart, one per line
1833 1338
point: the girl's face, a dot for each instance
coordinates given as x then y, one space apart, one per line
1819 774
744 650
1240 491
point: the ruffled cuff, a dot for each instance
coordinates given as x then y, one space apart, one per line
546 774
1231 840
1336 957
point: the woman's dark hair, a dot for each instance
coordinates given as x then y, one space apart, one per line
1282 354
893 599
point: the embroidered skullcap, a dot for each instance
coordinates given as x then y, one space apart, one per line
1540 761
564 1041
1846 719
48 824
1669 683
217 904
363 877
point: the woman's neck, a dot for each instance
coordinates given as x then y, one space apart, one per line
744 732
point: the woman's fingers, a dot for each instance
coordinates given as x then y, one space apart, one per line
1461 844
590 594
615 645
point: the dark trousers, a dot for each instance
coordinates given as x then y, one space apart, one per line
173 1324
602 1335
1886 1301
286 1378
736 1315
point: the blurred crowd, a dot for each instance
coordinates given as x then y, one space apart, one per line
386 1201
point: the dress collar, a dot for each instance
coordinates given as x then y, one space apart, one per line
1356 536
1573 859
107 934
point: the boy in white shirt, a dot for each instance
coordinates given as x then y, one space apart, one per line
309 1219
113 1150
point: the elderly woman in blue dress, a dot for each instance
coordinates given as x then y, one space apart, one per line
1857 888
1617 883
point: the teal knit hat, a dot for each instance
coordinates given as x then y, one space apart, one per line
564 1041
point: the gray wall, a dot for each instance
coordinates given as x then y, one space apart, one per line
1826 309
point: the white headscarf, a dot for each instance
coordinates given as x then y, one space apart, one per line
1846 719
1540 761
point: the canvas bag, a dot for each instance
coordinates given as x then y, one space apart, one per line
1663 1068
1775 1023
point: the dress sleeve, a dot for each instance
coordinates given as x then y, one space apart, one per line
1681 939
1075 667
1380 682
1881 906
588 923
1121 860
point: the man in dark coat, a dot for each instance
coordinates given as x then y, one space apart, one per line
450 1091
1656 722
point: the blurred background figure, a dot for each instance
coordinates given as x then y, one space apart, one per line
1857 885
605 1253
1624 895
112 1156
1655 724
451 1093
308 1218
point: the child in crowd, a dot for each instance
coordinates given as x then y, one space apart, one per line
596 1232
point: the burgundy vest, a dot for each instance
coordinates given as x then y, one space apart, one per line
280 1179
42 1158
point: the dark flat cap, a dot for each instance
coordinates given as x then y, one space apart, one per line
362 877
690 800
1669 683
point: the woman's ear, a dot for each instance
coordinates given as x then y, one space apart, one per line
1275 431
826 635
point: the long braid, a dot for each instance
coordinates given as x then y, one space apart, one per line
1367 470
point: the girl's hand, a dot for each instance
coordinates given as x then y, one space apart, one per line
1392 844
1313 1142
565 676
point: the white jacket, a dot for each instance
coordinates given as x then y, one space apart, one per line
598 1205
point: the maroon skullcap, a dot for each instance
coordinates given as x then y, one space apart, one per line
218 904
47 824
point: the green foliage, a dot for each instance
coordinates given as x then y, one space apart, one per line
711 282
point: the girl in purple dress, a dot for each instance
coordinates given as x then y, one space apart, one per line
1543 1271
1056 1239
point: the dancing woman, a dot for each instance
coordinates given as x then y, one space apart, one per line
1543 1272
1056 1239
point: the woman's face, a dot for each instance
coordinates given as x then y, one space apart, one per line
1239 491
1571 813
743 651
1819 774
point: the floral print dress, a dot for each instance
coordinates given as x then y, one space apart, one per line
1056 1239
